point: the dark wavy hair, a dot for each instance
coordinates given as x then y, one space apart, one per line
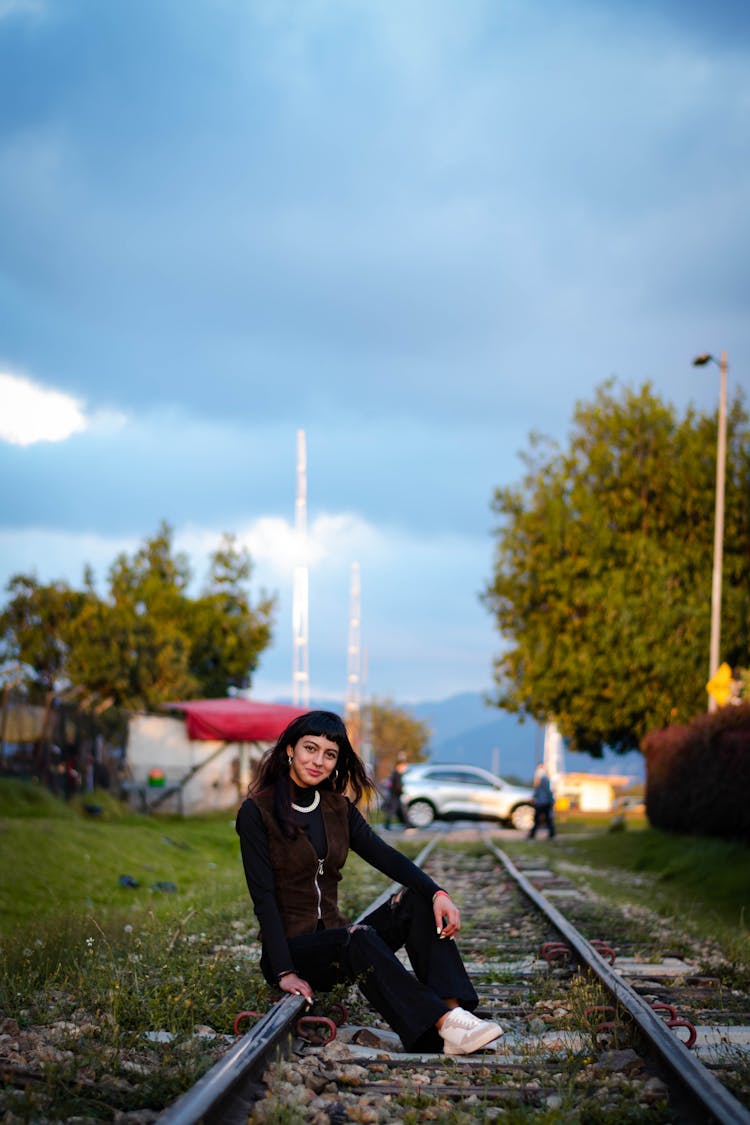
350 775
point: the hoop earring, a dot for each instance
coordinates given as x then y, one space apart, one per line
335 774
289 761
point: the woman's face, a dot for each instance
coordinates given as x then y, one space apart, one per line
313 759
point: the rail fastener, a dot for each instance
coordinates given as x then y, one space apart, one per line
707 1091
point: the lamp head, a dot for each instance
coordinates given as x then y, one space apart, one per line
702 360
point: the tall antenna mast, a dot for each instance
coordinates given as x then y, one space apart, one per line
354 661
365 722
301 669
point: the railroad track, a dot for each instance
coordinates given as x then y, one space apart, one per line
585 1037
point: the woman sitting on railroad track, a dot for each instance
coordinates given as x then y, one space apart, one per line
296 828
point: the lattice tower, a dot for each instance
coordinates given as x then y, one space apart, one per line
354 658
300 591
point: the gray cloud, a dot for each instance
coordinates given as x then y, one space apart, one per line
416 231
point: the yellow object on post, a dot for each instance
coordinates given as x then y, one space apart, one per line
719 687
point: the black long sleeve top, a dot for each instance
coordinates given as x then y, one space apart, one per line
260 877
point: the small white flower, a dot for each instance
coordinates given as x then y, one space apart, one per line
90 942
128 929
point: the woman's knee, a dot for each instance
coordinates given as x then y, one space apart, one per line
363 946
413 909
360 936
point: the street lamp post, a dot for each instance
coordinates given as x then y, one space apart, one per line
721 457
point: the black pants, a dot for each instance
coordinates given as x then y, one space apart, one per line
394 810
543 814
365 953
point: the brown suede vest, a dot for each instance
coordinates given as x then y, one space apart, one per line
307 888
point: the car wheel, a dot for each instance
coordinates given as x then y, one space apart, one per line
522 817
421 814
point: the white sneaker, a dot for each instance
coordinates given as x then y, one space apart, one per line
464 1033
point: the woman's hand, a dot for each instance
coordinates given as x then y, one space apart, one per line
290 982
447 915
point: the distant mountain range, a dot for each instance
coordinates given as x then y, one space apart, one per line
465 729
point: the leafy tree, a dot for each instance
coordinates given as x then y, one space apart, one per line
393 730
227 635
601 588
35 626
134 646
148 641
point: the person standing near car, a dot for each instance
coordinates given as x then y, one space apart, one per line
394 807
296 829
544 803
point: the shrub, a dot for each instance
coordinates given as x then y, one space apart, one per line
698 776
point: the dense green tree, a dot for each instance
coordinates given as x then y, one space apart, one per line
601 588
227 634
392 730
148 641
35 627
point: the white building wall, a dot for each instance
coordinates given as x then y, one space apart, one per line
160 742
592 792
595 797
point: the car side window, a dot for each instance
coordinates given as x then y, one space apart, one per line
446 777
465 777
481 782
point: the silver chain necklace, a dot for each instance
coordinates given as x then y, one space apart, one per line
308 808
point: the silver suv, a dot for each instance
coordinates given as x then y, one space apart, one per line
445 792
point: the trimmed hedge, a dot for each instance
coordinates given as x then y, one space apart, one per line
698 776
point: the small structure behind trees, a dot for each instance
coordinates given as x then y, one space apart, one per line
591 792
203 759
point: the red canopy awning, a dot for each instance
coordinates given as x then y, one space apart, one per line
235 720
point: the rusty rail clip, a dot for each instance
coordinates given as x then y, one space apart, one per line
604 950
675 1021
555 951
241 1016
309 1022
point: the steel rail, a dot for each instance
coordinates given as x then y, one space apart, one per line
704 1087
217 1096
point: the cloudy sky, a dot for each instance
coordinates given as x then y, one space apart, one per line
416 230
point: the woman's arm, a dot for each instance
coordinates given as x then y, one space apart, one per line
376 852
398 867
260 882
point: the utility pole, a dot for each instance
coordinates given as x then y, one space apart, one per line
300 594
354 659
721 460
365 725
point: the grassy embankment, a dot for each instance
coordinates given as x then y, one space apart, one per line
174 951
179 948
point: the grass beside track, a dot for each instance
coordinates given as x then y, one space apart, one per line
66 884
172 950
59 864
706 877
179 950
